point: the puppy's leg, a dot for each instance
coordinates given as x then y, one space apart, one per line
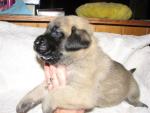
32 99
67 98
133 96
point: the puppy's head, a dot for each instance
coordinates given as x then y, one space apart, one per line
64 38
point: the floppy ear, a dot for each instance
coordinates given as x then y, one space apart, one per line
79 39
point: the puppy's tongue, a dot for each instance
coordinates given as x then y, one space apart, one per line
54 67
58 73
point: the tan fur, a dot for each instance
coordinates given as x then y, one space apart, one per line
93 78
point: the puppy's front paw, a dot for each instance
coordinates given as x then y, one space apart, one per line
24 106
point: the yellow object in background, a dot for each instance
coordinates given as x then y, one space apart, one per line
115 11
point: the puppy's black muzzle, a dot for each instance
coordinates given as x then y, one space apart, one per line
48 48
42 44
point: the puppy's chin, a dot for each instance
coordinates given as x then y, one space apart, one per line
50 59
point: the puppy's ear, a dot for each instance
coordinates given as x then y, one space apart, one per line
79 39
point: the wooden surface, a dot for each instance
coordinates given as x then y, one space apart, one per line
92 20
130 27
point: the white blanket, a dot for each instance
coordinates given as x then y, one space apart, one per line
20 71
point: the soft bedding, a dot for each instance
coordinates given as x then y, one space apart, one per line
20 71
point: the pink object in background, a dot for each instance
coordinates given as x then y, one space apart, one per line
6 4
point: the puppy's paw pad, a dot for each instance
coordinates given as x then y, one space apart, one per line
24 107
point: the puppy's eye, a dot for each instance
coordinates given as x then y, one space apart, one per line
56 33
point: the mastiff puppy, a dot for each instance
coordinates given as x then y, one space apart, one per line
94 79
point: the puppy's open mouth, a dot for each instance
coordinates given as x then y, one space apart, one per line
50 57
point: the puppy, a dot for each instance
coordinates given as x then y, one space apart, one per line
94 79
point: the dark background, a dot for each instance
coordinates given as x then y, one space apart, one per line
140 8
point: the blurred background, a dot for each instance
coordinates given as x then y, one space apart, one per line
140 8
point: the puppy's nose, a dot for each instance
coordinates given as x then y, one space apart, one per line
41 44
